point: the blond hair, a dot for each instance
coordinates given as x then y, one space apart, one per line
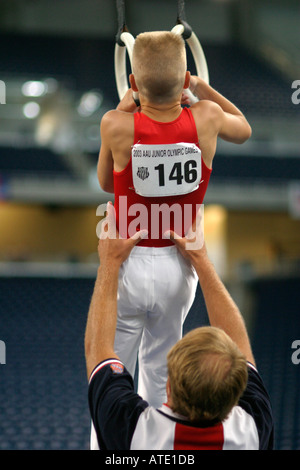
207 375
159 65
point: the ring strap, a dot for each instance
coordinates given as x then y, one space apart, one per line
181 10
181 19
122 27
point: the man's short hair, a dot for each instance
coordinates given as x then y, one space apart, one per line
159 65
207 374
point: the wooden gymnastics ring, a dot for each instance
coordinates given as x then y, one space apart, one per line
122 46
125 42
183 29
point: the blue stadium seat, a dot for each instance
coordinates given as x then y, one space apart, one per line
276 327
44 384
24 161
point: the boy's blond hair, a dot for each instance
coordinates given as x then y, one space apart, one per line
207 374
159 65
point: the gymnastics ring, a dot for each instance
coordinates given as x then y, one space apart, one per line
128 40
198 56
120 62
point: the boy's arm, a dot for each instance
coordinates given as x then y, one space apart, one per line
105 162
230 123
127 103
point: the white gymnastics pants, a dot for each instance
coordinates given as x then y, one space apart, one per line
157 287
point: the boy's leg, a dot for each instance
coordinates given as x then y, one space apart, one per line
175 283
131 314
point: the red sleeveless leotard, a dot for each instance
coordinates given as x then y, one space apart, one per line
127 201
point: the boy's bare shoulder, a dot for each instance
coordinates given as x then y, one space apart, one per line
113 114
207 115
115 119
206 108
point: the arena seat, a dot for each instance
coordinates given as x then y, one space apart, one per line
44 393
28 161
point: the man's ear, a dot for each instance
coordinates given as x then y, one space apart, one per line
132 82
168 391
187 79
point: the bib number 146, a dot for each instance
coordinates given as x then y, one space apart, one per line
188 173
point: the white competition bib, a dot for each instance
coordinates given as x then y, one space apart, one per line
166 169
